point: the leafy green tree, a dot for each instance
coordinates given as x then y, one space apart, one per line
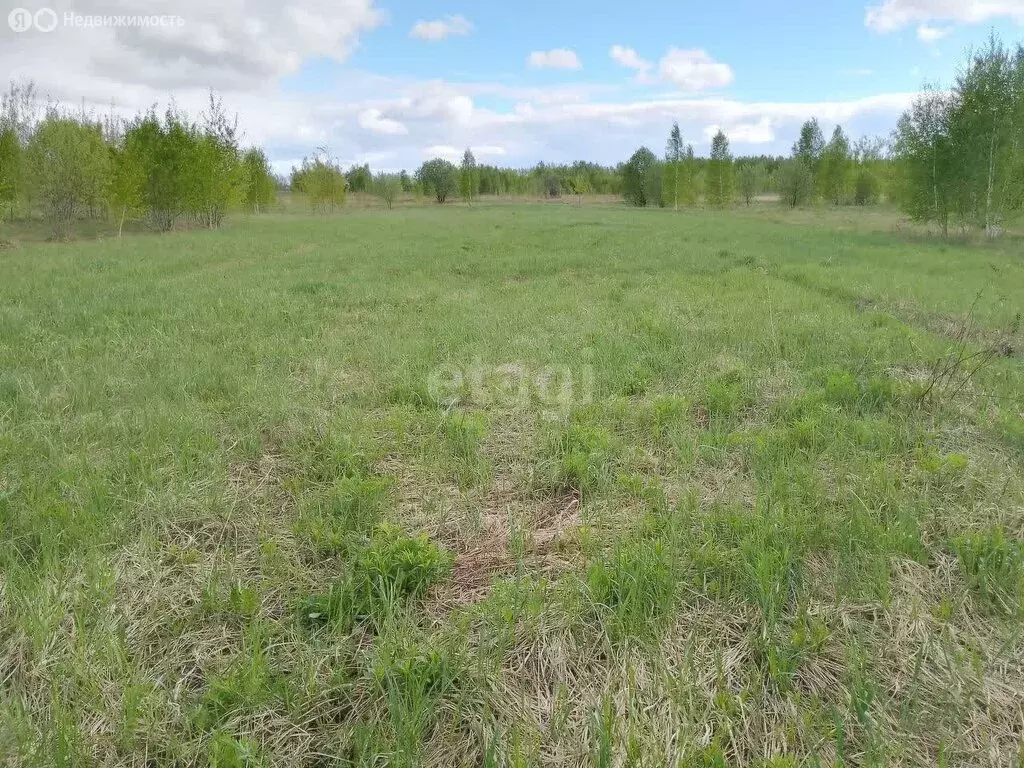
321 180
636 177
257 180
165 150
810 147
127 181
926 159
689 179
835 167
871 169
959 152
438 177
214 179
68 168
718 187
675 154
468 177
987 138
10 169
19 110
796 184
552 185
580 186
654 185
359 178
748 178
387 187
213 174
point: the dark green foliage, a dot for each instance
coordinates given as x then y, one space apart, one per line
438 178
810 147
749 182
835 168
796 183
469 181
718 186
636 178
359 178
865 187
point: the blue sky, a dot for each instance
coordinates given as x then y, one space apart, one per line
392 82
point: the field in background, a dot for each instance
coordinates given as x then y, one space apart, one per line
513 485
34 229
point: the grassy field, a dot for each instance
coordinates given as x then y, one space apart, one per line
513 485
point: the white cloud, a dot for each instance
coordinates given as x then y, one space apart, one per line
929 34
760 132
374 121
689 70
556 58
694 70
629 58
445 117
893 15
221 45
433 31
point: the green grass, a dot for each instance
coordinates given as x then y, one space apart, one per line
511 485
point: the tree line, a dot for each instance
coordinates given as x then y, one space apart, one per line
960 152
837 171
442 180
956 158
156 168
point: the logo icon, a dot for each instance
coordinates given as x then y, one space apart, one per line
45 20
20 19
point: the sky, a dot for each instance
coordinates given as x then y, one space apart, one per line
393 82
